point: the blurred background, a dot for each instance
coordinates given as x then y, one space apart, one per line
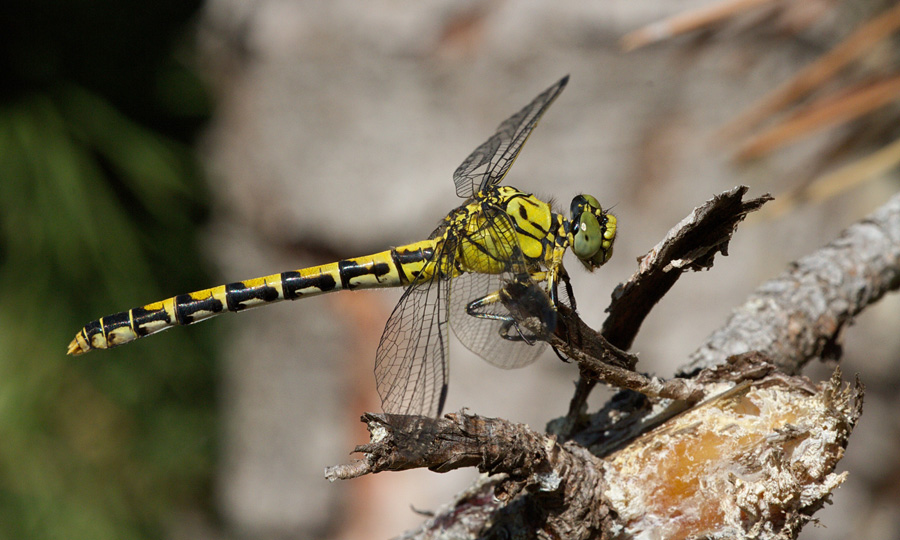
147 150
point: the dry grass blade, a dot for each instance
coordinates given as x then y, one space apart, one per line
830 185
826 112
864 39
688 21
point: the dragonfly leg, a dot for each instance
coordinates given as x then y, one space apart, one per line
476 307
522 336
553 280
569 291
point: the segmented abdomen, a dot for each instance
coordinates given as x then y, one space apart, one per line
393 268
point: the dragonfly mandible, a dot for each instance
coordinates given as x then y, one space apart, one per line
499 235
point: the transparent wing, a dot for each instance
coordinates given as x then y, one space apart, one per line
483 336
488 164
495 243
411 366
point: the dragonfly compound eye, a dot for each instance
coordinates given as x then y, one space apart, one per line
587 237
593 231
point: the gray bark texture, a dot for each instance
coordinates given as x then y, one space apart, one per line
799 315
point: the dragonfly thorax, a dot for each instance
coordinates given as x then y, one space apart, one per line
502 225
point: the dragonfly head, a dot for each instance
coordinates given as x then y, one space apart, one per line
592 231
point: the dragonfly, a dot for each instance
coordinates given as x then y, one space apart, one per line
459 277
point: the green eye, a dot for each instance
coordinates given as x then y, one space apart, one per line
588 236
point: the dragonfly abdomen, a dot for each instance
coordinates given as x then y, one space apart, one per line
393 268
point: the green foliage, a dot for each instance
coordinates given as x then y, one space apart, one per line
100 200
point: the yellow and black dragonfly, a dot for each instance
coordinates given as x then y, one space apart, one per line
497 237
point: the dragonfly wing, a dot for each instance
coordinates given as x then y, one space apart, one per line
484 336
411 367
495 241
488 164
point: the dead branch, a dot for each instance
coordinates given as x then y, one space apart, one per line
691 245
597 358
701 473
799 315
456 440
556 487
754 459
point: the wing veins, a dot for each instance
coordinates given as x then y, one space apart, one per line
488 164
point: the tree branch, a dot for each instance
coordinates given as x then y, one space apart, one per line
755 459
691 245
765 448
799 315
